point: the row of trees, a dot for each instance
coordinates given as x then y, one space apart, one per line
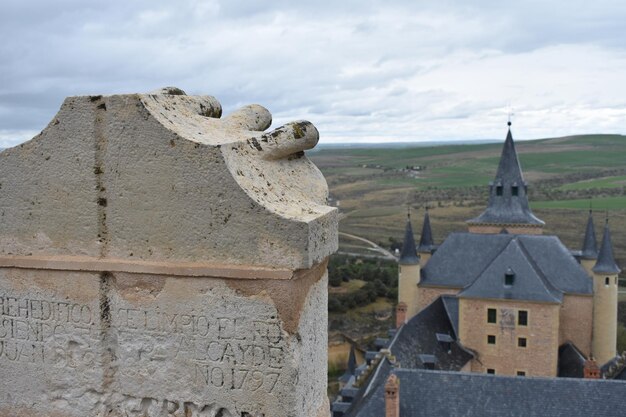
380 276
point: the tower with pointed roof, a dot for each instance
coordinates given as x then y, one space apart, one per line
508 207
409 271
605 288
426 245
589 252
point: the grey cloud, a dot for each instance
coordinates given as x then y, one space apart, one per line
356 68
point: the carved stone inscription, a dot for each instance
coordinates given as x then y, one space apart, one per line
211 348
36 330
227 353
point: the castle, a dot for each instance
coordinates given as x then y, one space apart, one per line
487 320
521 295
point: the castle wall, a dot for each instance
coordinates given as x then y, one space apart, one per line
576 321
538 358
427 295
588 265
495 229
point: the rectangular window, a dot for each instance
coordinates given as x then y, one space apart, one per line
491 339
515 191
509 278
491 371
521 342
522 318
491 315
499 190
521 373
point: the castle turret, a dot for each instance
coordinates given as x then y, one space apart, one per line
508 206
409 271
605 282
426 245
589 253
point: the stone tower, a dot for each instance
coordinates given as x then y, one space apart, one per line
508 207
589 253
409 271
605 286
426 246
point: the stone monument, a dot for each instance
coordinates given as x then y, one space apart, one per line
158 260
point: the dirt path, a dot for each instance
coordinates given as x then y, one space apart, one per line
373 246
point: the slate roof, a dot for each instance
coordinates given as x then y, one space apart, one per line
571 362
417 337
508 208
451 304
462 257
440 393
426 239
408 256
590 245
529 283
606 262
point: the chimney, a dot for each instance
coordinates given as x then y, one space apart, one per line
400 314
392 396
591 370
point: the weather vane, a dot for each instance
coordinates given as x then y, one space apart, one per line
510 114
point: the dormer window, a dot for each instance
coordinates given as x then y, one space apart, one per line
445 340
429 361
509 277
499 190
515 191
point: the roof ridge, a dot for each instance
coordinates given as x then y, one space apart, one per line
511 237
544 280
513 377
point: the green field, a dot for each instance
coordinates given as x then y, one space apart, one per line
599 204
606 182
564 174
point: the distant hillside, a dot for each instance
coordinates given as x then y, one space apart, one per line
374 184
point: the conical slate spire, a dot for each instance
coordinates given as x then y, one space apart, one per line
606 262
408 256
590 245
352 361
426 239
508 199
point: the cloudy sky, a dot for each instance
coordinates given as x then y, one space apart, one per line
360 70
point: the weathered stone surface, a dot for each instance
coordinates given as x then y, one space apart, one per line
161 177
156 260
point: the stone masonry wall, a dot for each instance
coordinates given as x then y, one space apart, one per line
427 295
576 322
158 260
539 358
